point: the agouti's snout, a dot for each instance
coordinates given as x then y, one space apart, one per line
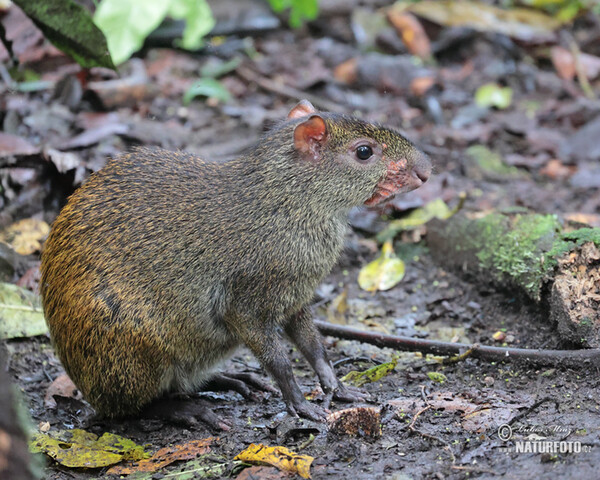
422 168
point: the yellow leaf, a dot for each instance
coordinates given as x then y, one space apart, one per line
382 273
279 457
80 449
520 23
25 236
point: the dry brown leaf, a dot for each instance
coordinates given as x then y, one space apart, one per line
166 456
346 72
62 386
564 63
412 33
420 86
591 219
557 170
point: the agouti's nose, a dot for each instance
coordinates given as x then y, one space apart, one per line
422 168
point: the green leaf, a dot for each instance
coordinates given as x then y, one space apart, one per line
218 68
300 10
127 23
198 21
492 95
358 379
382 273
437 377
70 28
21 313
207 87
420 216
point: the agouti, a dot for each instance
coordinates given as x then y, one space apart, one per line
163 263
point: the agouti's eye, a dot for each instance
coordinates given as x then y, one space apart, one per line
364 152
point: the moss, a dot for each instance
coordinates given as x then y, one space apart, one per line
513 249
491 165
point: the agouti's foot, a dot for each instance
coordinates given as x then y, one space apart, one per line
308 410
240 383
186 412
350 394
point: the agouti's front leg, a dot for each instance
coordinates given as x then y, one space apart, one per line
267 345
303 332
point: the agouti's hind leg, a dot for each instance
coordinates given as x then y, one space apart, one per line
186 411
303 332
262 338
240 382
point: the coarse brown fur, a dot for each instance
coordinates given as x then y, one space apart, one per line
162 263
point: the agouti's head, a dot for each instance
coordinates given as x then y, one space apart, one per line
367 163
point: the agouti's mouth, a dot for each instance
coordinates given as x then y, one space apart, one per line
396 181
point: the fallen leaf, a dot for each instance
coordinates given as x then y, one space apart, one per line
436 377
591 219
520 23
347 72
15 145
488 413
564 63
207 87
279 457
213 467
62 386
336 311
420 86
412 33
499 336
352 421
25 236
166 456
371 375
492 95
420 216
80 449
384 272
21 313
556 170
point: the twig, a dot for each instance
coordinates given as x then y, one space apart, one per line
412 428
533 407
567 358
290 92
473 469
417 415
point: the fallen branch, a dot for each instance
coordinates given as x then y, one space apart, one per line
536 357
286 91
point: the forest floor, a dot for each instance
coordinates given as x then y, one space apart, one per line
68 124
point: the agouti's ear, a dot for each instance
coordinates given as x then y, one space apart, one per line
303 109
309 137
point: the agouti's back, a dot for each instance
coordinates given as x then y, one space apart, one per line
162 263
